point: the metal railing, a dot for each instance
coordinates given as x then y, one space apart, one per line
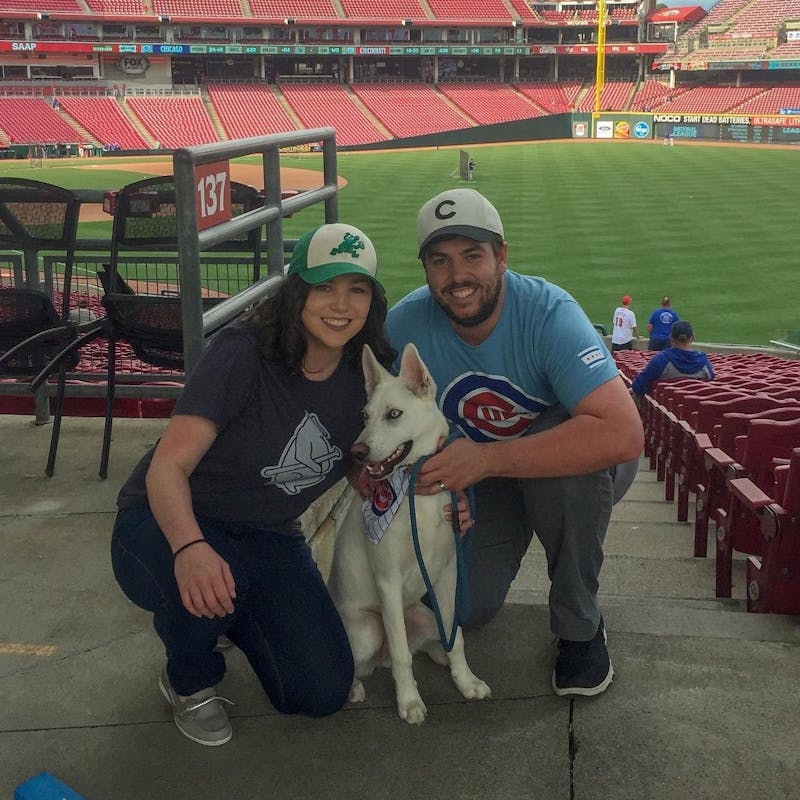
192 241
191 266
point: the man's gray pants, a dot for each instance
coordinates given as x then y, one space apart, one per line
570 517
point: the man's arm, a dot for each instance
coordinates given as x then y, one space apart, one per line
605 429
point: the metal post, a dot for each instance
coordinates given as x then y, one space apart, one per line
272 196
188 259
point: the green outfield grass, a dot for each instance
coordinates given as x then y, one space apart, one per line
714 227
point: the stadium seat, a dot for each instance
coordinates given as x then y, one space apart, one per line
695 438
35 216
174 121
738 527
773 580
716 461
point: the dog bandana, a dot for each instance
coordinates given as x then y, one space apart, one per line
379 511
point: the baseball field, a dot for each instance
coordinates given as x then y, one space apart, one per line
715 227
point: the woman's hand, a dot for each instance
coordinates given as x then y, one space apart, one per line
205 581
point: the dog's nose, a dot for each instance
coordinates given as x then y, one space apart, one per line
359 451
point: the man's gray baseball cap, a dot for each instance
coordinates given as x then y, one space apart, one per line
457 212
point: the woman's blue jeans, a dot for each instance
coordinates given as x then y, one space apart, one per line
284 620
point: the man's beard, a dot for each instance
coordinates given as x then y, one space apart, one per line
487 308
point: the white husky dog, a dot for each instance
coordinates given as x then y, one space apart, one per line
375 580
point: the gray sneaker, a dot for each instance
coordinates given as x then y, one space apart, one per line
223 643
201 716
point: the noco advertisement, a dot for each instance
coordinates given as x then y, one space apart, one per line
755 129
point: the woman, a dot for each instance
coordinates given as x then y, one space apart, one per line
207 537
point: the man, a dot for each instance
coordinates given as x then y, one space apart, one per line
523 374
677 361
623 326
661 321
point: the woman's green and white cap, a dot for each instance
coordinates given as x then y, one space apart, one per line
332 250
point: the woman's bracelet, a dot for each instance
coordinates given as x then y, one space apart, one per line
183 547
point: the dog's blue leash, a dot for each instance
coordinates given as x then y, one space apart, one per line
461 611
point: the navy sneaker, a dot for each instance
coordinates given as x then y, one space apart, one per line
583 668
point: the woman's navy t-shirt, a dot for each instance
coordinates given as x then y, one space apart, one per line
282 439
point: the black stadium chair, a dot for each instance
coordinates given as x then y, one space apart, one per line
35 216
143 308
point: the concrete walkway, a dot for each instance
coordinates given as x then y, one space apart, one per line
705 703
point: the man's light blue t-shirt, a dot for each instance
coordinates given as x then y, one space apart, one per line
542 352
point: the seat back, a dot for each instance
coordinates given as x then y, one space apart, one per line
733 424
23 314
146 218
39 216
710 411
767 440
789 497
152 325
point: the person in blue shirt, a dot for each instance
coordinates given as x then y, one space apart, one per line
677 361
660 323
521 372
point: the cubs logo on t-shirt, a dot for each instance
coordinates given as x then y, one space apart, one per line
489 407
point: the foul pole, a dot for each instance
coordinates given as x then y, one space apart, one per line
600 63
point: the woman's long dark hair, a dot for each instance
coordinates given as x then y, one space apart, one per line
281 334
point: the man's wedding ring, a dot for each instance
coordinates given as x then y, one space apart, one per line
443 486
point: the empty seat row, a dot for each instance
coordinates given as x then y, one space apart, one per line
723 442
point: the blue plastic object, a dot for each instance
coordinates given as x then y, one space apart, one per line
45 787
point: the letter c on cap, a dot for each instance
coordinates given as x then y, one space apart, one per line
440 214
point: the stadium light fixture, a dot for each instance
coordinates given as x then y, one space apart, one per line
516 23
288 21
164 18
42 15
406 23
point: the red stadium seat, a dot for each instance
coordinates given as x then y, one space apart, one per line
738 527
773 581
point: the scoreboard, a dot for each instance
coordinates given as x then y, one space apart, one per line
729 128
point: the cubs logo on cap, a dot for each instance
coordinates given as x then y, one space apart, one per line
328 251
457 212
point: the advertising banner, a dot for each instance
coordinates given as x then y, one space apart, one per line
618 125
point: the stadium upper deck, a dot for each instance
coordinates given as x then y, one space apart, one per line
353 40
738 35
128 49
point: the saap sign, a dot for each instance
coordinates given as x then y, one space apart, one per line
133 65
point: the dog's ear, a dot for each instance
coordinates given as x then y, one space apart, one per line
415 374
374 373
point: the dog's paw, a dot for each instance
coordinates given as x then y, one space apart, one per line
357 693
476 689
471 686
414 712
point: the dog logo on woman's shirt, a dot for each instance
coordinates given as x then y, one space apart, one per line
307 458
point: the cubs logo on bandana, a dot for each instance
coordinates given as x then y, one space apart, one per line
379 510
489 408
